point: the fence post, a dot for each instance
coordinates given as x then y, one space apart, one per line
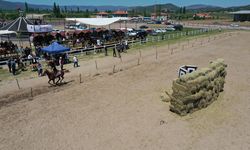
156 53
18 84
114 69
80 76
96 65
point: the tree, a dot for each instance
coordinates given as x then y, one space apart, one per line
158 11
78 10
184 10
145 12
54 9
58 11
26 7
86 13
65 9
180 11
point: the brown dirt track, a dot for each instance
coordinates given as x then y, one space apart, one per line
124 110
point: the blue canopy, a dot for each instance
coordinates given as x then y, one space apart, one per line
55 48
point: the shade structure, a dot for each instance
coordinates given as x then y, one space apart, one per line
97 21
55 48
6 32
18 25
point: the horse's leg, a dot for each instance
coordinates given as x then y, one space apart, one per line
62 78
54 81
58 80
49 82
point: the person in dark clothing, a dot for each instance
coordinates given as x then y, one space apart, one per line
61 62
13 67
114 52
39 69
9 65
106 51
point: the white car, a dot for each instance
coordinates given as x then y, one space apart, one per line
128 29
131 33
170 26
170 29
160 31
234 25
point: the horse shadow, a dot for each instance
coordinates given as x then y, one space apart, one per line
62 83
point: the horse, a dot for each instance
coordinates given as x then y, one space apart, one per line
52 76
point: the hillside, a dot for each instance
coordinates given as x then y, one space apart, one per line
203 7
151 8
6 5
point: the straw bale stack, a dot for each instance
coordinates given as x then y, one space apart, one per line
198 89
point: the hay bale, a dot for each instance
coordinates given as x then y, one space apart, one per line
189 76
217 63
197 81
205 71
179 87
199 88
193 98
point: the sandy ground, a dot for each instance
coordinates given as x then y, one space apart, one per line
124 110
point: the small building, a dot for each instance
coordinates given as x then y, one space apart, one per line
243 15
36 18
102 15
202 16
120 13
162 16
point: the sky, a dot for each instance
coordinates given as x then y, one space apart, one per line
223 3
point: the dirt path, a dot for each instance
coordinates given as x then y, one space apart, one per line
124 110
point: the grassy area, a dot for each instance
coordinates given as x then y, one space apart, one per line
5 75
175 40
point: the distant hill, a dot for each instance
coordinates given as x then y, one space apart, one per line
237 8
203 7
6 5
151 8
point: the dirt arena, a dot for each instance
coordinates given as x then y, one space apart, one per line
124 111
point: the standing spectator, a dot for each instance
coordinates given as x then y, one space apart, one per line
106 50
61 63
66 58
30 58
114 52
75 60
126 44
39 69
13 66
9 65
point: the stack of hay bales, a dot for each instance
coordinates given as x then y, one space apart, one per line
198 89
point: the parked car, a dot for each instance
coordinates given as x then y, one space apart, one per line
160 31
234 25
170 29
131 33
178 27
143 27
151 22
153 33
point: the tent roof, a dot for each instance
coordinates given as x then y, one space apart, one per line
55 48
2 32
97 21
241 12
18 25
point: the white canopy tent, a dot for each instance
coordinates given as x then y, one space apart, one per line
97 21
6 32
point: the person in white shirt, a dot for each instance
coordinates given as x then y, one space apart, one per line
75 60
30 58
